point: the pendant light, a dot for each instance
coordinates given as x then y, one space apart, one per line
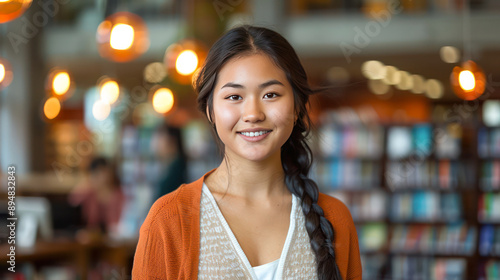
468 80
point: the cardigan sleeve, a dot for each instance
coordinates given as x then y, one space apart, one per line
157 253
354 269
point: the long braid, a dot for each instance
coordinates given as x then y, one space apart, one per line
296 159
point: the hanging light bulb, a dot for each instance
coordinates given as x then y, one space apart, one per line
59 83
51 108
182 59
186 63
5 73
468 80
12 9
163 100
122 37
109 90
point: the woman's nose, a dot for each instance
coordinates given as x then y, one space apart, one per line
253 111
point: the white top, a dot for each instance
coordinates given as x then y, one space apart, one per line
269 271
266 271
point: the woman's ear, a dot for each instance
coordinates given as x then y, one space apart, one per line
208 114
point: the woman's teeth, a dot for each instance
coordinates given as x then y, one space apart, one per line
254 134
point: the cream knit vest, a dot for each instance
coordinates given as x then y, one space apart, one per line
220 259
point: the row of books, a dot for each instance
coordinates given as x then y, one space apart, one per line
489 270
425 206
368 206
418 268
451 239
488 142
348 174
489 207
489 240
490 175
440 174
350 141
423 140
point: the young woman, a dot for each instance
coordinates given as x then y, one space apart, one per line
258 215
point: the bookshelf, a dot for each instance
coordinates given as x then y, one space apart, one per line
488 212
424 196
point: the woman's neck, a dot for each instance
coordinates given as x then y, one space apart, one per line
250 180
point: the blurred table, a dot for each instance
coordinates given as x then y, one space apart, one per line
81 254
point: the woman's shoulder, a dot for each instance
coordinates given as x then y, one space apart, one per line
169 207
335 210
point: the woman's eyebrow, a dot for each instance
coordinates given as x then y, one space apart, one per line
261 86
270 83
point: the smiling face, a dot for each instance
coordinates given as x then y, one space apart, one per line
253 106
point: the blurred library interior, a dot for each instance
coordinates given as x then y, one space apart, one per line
407 134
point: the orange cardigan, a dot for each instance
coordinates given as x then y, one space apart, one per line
169 240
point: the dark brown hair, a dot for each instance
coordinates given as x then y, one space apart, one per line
296 156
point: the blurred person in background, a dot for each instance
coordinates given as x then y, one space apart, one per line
100 197
168 146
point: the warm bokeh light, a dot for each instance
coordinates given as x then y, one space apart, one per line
182 59
51 108
378 87
101 110
373 69
61 83
418 86
405 81
449 54
2 73
109 91
468 80
163 100
5 73
434 89
392 75
12 9
122 37
186 62
155 72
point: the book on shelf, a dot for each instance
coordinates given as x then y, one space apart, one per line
489 270
489 207
488 142
489 240
490 175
